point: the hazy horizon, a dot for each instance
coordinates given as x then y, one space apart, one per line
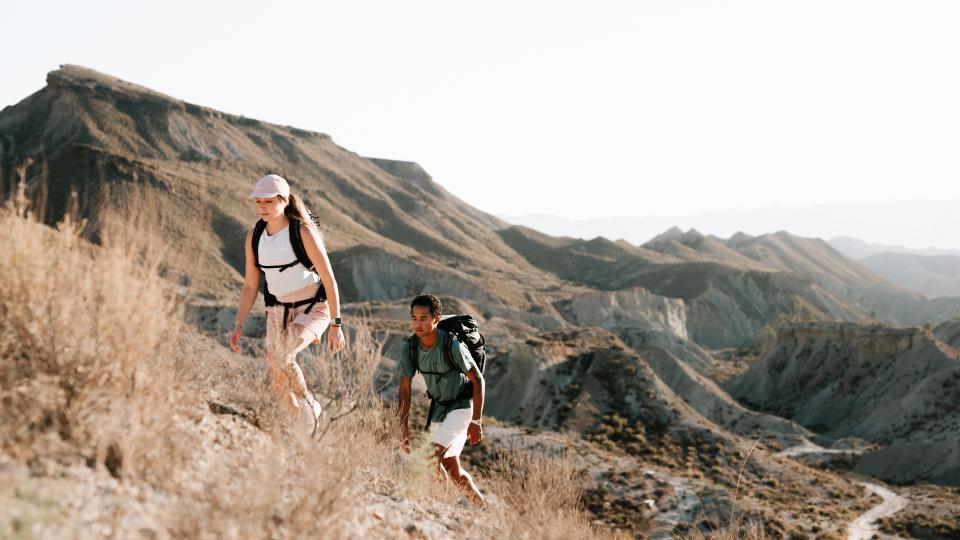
917 224
673 108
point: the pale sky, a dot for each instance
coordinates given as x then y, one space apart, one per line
582 110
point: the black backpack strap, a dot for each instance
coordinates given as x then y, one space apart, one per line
255 240
258 229
296 242
467 391
448 351
414 346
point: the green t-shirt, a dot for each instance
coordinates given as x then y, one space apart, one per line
450 382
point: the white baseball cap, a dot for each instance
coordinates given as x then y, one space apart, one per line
270 186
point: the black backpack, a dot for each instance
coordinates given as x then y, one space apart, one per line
296 242
467 331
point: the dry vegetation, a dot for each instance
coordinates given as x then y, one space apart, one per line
119 420
934 512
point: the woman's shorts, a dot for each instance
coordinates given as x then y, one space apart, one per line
316 322
452 432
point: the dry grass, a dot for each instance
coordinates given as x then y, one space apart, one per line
99 374
539 496
120 420
79 325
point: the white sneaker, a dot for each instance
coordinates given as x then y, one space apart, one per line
311 411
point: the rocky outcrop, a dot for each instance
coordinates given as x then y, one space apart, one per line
736 309
687 369
634 308
878 383
655 327
887 385
935 463
366 273
949 332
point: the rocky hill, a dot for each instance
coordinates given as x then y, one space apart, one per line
694 246
933 276
896 387
111 140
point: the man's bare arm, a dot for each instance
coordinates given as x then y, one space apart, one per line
404 413
475 432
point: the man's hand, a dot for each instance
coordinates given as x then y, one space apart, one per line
235 340
405 438
474 434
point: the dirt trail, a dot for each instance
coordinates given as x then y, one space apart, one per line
865 526
810 448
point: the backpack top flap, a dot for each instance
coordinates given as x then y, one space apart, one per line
467 331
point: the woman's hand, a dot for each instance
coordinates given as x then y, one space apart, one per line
335 338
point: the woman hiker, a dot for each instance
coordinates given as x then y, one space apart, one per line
300 291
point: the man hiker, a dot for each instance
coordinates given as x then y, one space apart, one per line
455 386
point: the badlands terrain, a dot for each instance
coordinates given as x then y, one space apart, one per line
688 386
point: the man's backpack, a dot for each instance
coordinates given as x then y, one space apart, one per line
466 330
296 242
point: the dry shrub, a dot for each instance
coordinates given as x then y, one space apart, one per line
95 364
344 382
737 529
538 496
285 482
79 326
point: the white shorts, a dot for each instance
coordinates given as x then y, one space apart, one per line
452 432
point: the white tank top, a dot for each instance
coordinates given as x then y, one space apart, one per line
275 251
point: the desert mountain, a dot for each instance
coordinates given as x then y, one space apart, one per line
109 139
933 276
721 305
906 222
693 246
811 257
896 387
856 248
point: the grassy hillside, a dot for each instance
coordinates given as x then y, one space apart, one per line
118 420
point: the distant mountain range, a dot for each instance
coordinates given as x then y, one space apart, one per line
858 249
914 223
932 272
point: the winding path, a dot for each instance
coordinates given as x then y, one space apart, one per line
865 526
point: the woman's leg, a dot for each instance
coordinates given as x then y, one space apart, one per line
286 377
280 385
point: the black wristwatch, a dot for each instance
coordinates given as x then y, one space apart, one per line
337 321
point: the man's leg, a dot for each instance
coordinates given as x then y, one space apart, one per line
450 467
